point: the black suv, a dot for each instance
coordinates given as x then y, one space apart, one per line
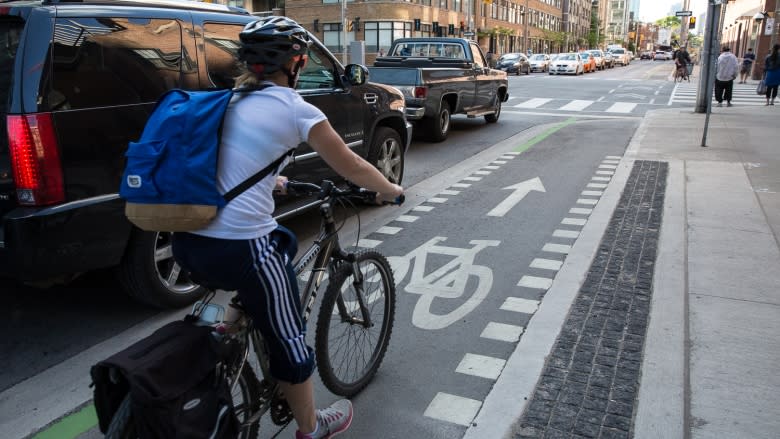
78 79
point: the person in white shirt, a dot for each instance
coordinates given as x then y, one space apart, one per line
244 249
728 67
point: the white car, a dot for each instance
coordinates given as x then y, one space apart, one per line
567 64
662 56
621 56
540 62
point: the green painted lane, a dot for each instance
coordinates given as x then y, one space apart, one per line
524 147
70 426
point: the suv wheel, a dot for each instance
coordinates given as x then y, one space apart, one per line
387 154
149 274
438 127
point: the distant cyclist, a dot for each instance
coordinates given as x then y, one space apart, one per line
681 61
244 249
747 64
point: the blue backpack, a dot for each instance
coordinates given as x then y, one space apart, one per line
170 180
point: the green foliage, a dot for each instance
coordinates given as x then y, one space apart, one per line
670 21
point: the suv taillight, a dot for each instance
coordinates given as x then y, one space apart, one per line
35 160
420 92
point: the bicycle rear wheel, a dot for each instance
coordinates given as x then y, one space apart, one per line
348 352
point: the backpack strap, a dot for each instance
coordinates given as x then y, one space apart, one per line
251 181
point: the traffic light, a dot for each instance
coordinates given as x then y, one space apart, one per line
451 29
691 22
356 24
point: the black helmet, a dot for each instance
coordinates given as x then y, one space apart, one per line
271 42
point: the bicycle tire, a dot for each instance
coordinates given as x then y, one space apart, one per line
334 337
123 427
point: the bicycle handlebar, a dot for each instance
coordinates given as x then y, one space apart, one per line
329 190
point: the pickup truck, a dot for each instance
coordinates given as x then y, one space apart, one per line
440 77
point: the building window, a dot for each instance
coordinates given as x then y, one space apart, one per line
380 35
442 4
456 5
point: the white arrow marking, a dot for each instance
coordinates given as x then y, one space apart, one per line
520 191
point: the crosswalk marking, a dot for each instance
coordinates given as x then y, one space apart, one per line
576 105
533 103
742 94
621 107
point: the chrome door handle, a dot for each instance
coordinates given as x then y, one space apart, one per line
370 98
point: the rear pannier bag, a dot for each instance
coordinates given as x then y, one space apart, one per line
176 383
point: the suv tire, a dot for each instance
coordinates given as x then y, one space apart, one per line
493 118
387 154
148 272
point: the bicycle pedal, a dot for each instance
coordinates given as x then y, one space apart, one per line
280 411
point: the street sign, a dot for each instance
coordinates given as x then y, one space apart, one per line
683 13
468 34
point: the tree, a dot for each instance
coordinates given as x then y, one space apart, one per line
670 22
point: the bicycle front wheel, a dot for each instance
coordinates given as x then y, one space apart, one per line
349 349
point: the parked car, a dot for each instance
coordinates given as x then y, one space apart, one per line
609 60
78 82
540 62
435 88
599 57
621 56
588 62
567 64
514 63
645 55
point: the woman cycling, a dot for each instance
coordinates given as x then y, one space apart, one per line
244 249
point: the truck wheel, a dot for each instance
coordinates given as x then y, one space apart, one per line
149 274
387 154
438 127
493 118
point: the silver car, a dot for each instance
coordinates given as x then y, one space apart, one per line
540 62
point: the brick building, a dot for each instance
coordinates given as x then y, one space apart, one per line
500 26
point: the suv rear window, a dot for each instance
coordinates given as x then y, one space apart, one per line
10 31
113 61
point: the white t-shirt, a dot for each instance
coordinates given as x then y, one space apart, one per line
259 127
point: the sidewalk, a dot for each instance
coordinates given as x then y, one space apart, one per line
674 329
713 343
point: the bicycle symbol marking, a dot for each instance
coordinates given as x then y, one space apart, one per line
446 282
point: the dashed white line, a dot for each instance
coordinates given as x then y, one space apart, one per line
546 264
597 185
472 178
422 208
608 166
437 200
518 304
600 178
481 366
387 230
566 234
605 172
574 221
491 167
453 408
502 332
592 193
407 218
587 201
542 283
368 243
483 172
461 185
449 192
614 157
499 162
580 210
557 248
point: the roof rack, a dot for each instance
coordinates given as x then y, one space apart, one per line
178 4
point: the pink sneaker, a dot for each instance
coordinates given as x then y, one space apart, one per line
331 421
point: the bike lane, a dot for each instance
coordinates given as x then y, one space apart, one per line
473 260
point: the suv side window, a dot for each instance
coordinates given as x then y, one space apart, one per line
112 61
221 53
319 72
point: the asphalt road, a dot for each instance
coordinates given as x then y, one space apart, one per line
560 147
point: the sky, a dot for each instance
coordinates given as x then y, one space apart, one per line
652 10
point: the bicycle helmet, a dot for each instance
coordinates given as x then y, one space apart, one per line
268 44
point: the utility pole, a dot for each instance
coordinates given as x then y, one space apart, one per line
709 58
684 25
527 15
344 32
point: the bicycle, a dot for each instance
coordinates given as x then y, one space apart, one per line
356 284
681 73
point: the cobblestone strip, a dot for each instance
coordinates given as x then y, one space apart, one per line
590 383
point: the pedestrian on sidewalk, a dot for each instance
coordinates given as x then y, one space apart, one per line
747 65
727 68
772 74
